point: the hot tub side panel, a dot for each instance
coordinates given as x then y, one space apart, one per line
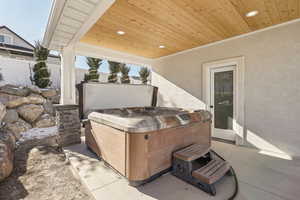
150 153
112 145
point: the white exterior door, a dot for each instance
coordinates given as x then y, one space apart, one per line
221 104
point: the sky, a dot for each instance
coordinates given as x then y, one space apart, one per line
28 18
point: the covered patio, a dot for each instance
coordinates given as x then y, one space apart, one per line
192 47
260 177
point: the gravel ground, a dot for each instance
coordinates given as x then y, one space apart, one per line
41 174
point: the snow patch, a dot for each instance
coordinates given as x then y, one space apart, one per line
38 133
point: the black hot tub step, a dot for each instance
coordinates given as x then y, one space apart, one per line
192 152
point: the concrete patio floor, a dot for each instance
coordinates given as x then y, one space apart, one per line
260 177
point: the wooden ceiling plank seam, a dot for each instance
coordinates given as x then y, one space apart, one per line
168 17
195 26
137 34
263 18
238 25
120 16
203 20
207 19
108 34
272 11
243 8
241 13
293 9
110 45
142 28
156 25
283 10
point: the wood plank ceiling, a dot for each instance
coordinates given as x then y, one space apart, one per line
183 24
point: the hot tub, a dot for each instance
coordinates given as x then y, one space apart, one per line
138 142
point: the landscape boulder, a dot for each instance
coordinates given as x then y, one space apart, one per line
14 90
4 98
30 112
11 116
48 107
17 102
31 99
35 99
45 121
18 127
35 89
49 93
39 136
2 112
7 146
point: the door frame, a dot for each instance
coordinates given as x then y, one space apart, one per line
239 108
224 134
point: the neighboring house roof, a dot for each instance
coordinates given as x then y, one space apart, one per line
19 49
1 27
14 47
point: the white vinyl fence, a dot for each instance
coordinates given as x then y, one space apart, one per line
17 72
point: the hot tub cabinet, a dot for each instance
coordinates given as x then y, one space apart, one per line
138 142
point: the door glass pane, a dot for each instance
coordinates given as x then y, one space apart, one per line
223 99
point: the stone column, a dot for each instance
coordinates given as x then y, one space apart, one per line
68 123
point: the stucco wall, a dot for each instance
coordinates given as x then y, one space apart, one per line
272 84
16 40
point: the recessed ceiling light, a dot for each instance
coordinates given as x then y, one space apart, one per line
120 32
252 13
161 46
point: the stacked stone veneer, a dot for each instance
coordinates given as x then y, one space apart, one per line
68 123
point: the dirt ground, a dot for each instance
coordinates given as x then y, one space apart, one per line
41 174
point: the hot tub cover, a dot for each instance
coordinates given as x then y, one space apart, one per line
145 119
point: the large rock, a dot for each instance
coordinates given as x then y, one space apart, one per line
45 121
39 136
18 127
31 99
11 116
17 102
14 90
2 111
35 99
49 108
4 98
30 112
35 89
7 145
49 92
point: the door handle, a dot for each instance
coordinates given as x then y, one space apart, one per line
211 106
